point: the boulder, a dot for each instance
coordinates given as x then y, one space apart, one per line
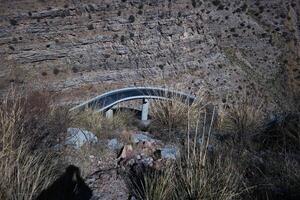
77 137
169 152
142 137
114 144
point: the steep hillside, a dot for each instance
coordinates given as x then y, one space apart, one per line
81 47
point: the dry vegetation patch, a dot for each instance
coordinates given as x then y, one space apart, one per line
25 168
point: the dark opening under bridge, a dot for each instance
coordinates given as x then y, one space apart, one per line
104 102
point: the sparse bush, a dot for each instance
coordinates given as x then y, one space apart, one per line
122 39
175 115
13 22
97 123
242 121
90 27
75 69
169 116
131 18
145 183
194 3
283 134
216 2
140 12
55 71
24 170
44 73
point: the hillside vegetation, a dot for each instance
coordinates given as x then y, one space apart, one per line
242 155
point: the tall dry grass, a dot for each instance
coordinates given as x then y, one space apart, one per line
149 184
103 127
242 122
198 174
204 173
25 170
176 115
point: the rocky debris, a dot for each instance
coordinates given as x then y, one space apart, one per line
114 144
142 137
108 185
77 137
170 152
146 151
107 172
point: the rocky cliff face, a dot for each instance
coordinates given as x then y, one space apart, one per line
82 47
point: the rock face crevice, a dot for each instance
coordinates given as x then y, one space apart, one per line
227 46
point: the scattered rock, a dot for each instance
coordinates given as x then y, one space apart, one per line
114 144
142 137
169 152
144 124
78 137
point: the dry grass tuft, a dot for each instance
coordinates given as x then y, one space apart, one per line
24 171
206 174
97 123
169 115
282 134
175 116
150 184
198 174
242 122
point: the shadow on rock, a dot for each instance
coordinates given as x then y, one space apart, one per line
69 186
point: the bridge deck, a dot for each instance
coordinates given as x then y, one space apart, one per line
107 100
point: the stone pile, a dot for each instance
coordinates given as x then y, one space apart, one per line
146 151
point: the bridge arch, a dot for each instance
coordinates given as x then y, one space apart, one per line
106 101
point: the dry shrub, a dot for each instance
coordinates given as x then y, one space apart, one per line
88 119
24 172
270 175
198 174
43 123
207 178
282 134
146 183
169 115
85 157
242 121
103 127
281 177
203 174
176 115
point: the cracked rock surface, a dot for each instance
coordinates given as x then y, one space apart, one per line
81 48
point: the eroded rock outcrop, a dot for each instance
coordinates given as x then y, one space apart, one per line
85 47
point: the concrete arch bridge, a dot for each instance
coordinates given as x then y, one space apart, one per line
105 102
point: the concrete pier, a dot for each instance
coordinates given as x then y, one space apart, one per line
145 109
109 114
